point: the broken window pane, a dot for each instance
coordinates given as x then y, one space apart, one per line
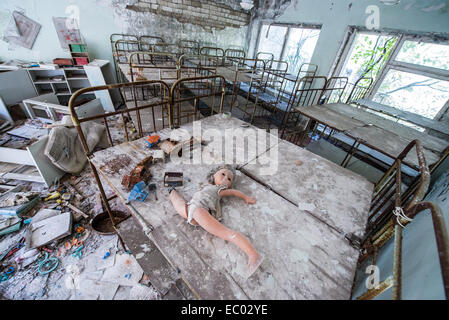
425 54
299 48
414 93
271 39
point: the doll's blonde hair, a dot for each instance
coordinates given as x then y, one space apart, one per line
210 175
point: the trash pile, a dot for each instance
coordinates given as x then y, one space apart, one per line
49 250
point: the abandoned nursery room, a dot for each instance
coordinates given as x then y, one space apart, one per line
224 150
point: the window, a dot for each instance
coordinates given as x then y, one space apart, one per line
425 54
271 40
414 93
367 55
300 47
410 73
289 43
417 79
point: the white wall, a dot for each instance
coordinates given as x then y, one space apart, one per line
336 15
98 20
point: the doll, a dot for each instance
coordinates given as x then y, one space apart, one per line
204 209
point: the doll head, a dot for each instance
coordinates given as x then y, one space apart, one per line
223 175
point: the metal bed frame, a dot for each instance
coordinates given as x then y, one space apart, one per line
308 91
196 66
162 62
333 91
231 55
360 89
391 210
216 52
113 38
190 47
190 96
146 89
171 48
265 54
250 97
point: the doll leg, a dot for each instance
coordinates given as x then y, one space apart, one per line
211 225
179 204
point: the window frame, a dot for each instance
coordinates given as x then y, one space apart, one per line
430 72
287 34
391 63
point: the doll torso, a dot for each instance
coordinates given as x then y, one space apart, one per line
209 199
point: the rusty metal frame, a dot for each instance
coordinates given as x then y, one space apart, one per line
306 69
196 66
122 49
190 47
442 244
257 67
112 39
308 92
360 90
264 53
232 55
219 53
334 85
164 62
166 48
165 100
195 89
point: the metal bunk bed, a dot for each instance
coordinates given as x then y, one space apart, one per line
190 47
393 207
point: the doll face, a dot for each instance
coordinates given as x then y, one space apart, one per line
223 177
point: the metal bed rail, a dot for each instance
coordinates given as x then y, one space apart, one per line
113 38
308 92
245 94
164 66
333 91
231 55
359 90
196 66
216 52
442 245
190 47
158 96
190 96
171 48
389 197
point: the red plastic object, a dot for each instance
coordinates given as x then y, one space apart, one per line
81 61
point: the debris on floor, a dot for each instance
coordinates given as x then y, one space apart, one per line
48 248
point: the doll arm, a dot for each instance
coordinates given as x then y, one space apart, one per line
236 193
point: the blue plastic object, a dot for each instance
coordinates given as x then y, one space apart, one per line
139 192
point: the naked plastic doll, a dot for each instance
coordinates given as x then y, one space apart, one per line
205 210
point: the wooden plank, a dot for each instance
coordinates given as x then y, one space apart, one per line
161 274
18 156
20 176
390 143
429 142
405 115
327 116
305 259
327 191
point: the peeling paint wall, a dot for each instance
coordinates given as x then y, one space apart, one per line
141 19
100 18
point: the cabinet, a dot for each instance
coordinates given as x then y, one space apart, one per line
63 82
